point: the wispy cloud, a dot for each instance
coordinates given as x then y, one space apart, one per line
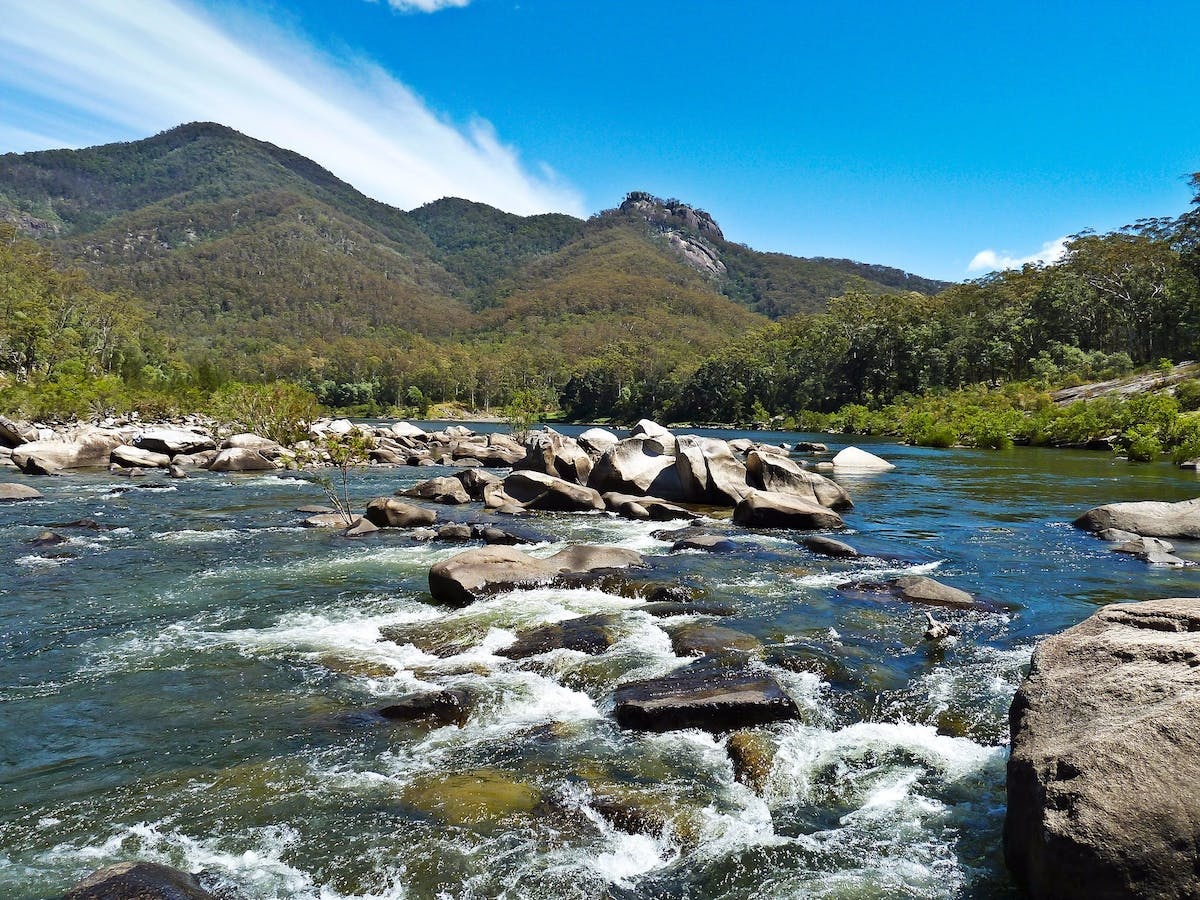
425 5
86 70
993 261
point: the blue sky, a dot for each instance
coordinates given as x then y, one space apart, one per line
920 135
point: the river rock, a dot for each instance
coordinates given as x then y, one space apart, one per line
1117 536
455 531
241 459
448 707
537 490
360 527
709 694
709 471
13 434
131 456
655 508
659 437
87 448
173 441
1149 518
767 509
915 589
585 634
852 459
636 466
475 480
388 512
472 574
11 492
707 543
408 430
139 881
439 490
663 609
249 441
1104 773
772 472
753 756
201 460
702 640
827 546
329 520
476 798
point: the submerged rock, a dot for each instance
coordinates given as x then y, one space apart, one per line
827 546
915 589
477 797
753 756
1104 773
710 694
449 707
585 634
1148 518
702 640
139 881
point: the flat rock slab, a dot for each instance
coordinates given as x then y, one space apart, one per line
585 634
11 492
1104 774
706 694
701 640
666 608
1149 518
707 543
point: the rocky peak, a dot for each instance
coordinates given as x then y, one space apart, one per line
671 215
689 231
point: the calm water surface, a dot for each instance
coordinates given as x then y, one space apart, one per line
195 685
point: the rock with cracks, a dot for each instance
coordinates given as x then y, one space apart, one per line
1104 774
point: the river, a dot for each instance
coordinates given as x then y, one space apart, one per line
194 684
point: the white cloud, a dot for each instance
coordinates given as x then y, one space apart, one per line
425 5
991 261
82 71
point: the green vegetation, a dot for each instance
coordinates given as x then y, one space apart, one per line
203 270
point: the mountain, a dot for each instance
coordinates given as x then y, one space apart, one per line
254 255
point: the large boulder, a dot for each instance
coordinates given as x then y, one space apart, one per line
439 490
173 441
408 430
241 459
852 459
472 574
536 490
1104 772
773 472
388 512
247 440
139 881
711 694
555 454
11 492
87 448
1149 518
636 465
726 479
132 456
14 434
659 437
767 509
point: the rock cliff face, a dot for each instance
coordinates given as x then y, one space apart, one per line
689 231
1104 776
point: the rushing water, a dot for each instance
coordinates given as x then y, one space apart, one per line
194 684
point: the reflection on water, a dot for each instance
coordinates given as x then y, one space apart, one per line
194 684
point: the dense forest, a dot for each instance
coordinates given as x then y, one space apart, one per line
150 274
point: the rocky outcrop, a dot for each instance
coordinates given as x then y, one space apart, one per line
711 694
139 881
768 509
472 574
1104 773
1149 518
86 448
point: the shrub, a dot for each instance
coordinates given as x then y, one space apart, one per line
1141 443
1187 394
279 411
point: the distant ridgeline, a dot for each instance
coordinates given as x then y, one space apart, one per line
233 258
